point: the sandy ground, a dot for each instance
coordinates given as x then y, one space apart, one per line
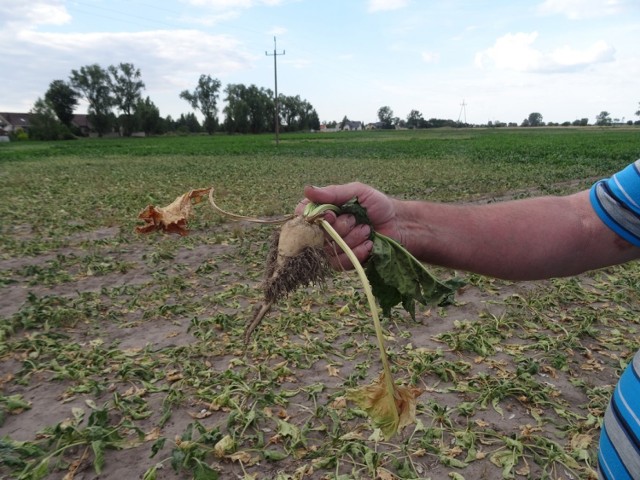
51 403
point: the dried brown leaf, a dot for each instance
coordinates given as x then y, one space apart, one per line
172 218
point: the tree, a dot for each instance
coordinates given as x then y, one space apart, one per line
638 112
249 109
580 122
603 118
237 110
204 98
63 100
298 114
533 120
414 119
262 109
147 117
188 123
385 115
126 88
92 81
45 124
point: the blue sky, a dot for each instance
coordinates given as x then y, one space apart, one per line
566 59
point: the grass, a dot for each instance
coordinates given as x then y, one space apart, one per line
123 354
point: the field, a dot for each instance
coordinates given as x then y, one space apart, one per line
121 356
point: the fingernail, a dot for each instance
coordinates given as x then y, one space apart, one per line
366 230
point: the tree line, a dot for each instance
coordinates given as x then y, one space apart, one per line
119 89
415 119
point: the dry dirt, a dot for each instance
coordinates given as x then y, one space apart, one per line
50 404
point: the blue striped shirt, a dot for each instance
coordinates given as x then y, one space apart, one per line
616 200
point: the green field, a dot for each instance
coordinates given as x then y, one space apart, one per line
123 354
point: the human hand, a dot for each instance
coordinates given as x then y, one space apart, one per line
380 211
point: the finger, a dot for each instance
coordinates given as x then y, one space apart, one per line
362 252
343 224
333 194
357 236
300 207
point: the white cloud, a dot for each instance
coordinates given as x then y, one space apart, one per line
167 59
19 15
430 57
579 9
516 52
386 5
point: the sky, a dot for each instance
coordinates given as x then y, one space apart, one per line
473 60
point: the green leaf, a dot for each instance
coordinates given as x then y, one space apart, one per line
396 276
15 403
98 452
357 210
157 446
177 457
274 455
202 471
151 473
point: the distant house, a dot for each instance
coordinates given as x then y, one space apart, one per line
374 126
351 125
81 122
11 121
324 128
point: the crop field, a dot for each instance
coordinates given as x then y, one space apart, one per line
122 356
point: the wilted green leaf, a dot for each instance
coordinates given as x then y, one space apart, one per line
396 276
98 451
151 473
157 446
202 471
224 446
274 455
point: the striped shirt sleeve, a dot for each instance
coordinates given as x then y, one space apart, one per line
619 454
616 200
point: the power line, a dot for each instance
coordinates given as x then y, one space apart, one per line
275 55
463 110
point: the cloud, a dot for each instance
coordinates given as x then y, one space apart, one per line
516 52
579 9
430 57
167 59
18 15
386 5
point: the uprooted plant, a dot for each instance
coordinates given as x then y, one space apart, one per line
297 258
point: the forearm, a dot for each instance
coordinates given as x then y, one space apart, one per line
525 239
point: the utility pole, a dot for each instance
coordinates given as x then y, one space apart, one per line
463 110
275 73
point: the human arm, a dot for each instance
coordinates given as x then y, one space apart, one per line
533 238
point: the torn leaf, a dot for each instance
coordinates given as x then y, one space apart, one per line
172 218
390 411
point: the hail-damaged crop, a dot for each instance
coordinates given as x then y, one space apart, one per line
297 258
